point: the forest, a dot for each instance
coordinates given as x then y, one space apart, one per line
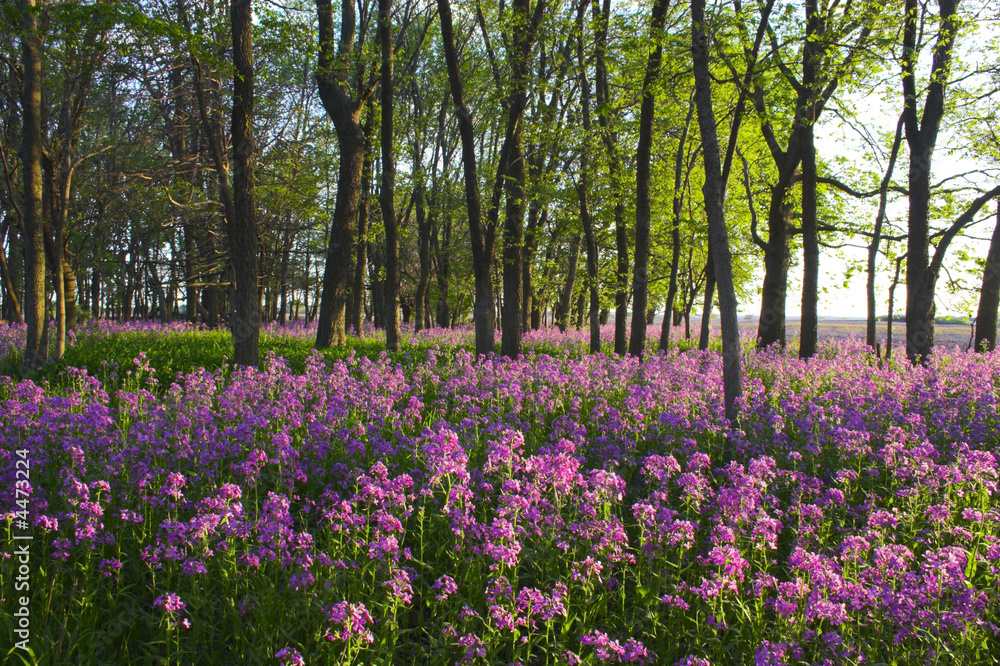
515 165
468 332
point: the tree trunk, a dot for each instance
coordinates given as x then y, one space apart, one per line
345 113
640 277
482 237
892 301
12 308
871 336
732 374
424 249
707 303
808 331
989 295
921 136
242 228
675 232
357 301
582 189
777 260
614 169
566 302
387 191
35 351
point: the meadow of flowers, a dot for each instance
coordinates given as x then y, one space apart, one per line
433 508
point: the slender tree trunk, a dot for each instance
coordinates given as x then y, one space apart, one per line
706 310
387 191
675 232
528 269
643 214
423 281
242 228
35 352
808 332
871 335
482 237
732 373
601 20
892 300
582 189
989 295
12 307
566 302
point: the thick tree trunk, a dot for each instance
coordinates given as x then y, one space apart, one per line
242 228
921 136
989 295
345 113
732 374
387 191
777 260
36 351
643 214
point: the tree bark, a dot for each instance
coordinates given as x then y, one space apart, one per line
675 232
610 137
647 111
35 351
482 237
732 374
387 191
357 301
582 190
242 228
808 332
871 335
345 112
566 301
921 137
989 295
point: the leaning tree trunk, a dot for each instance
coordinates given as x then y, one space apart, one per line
647 111
732 375
989 295
35 351
871 335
